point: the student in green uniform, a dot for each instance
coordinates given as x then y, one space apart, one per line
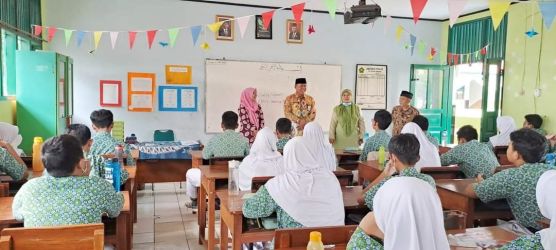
473 157
284 131
380 123
11 163
534 122
83 135
423 123
404 153
517 185
67 195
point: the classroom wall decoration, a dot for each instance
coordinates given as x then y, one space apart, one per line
174 98
140 91
294 31
370 86
110 93
262 30
226 31
178 74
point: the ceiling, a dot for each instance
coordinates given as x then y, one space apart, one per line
435 9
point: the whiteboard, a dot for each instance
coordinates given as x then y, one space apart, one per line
225 80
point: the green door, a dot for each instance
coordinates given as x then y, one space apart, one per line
431 88
61 87
493 73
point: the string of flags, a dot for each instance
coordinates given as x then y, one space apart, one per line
467 58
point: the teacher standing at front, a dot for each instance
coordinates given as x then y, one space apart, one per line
299 107
347 126
403 113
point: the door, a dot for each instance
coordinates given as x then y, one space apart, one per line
430 85
61 76
493 73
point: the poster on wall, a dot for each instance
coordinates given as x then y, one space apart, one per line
178 74
140 91
110 93
174 98
370 86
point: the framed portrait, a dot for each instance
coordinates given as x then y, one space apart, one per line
226 31
294 31
260 31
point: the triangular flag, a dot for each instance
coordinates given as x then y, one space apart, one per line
150 37
297 11
399 31
331 6
412 39
132 35
456 59
67 34
172 35
267 17
242 22
455 7
498 9
387 23
421 48
484 51
195 31
38 30
214 26
51 33
450 58
548 11
417 7
79 37
113 38
97 35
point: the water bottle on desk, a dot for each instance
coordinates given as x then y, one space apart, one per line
112 172
444 138
381 157
37 161
119 154
550 159
315 241
233 177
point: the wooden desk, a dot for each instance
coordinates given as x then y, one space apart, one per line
196 158
347 160
498 234
163 170
122 239
452 196
369 170
209 176
131 187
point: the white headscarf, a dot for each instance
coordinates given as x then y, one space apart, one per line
505 125
10 134
319 147
428 153
546 188
408 211
263 159
307 191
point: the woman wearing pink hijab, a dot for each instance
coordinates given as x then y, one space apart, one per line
250 114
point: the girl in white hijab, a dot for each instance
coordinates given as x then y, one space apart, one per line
319 147
306 195
10 134
428 153
546 238
263 159
407 214
505 125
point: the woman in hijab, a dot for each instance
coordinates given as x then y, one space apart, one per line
320 149
347 127
505 125
263 159
429 156
407 214
306 195
250 114
546 238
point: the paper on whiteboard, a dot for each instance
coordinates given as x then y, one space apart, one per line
110 94
141 84
170 98
178 69
188 98
141 101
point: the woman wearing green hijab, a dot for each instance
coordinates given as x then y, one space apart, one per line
347 126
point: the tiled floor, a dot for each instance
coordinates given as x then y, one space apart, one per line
163 221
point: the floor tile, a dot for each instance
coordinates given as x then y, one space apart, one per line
143 246
139 238
144 225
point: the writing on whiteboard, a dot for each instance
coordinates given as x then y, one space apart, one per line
279 67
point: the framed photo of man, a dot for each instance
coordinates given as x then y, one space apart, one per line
294 31
226 31
260 31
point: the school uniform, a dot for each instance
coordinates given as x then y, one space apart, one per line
56 201
373 143
282 142
10 166
540 131
104 143
473 158
432 139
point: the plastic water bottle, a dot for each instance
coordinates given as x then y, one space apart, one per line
119 154
444 138
315 241
550 159
112 172
37 161
381 156
233 177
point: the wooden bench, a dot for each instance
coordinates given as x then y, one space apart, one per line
90 236
298 237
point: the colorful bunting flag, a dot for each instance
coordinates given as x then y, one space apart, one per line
412 39
297 11
79 35
484 51
455 7
498 9
548 11
113 38
132 35
172 35
267 18
243 22
331 6
67 35
97 35
417 7
195 31
450 58
150 37
399 31
38 30
51 32
214 27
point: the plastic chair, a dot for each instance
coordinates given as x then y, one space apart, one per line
164 135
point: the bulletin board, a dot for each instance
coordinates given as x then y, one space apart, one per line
174 98
140 91
370 86
110 93
178 74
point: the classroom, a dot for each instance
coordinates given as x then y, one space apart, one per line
277 124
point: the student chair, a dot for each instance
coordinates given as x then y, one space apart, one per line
89 236
298 237
164 135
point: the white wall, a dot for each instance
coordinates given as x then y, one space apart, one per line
333 43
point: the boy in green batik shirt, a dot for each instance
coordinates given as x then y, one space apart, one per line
284 131
534 122
381 121
423 123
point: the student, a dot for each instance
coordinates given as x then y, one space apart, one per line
306 195
380 123
404 153
505 126
67 195
320 148
474 158
423 123
407 214
226 144
11 163
284 131
83 135
534 122
263 159
428 153
517 185
546 238
104 143
10 134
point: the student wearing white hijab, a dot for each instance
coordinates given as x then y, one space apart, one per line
429 156
319 147
10 134
306 195
263 159
407 214
546 238
505 126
